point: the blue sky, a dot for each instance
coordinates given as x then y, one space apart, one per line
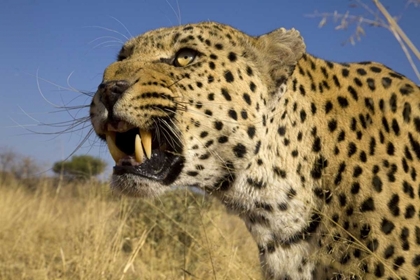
69 43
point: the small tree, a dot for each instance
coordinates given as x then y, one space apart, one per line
80 167
7 161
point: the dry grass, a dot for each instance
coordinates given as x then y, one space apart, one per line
85 233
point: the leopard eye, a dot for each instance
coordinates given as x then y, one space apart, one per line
184 57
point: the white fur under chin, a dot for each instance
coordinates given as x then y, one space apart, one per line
136 186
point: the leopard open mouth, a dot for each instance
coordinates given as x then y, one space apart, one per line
154 154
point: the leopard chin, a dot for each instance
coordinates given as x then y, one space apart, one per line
136 186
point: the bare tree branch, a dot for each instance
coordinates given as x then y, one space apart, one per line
380 18
394 25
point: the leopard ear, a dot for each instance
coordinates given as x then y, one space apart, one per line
279 52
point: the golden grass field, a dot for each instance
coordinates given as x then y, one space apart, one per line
82 231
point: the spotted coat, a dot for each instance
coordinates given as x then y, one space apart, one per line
320 159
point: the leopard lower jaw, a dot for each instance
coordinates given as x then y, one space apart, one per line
161 167
132 185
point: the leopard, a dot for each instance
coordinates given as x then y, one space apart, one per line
320 159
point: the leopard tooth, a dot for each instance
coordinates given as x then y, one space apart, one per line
146 139
138 150
115 152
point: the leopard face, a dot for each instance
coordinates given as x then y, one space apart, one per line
194 97
319 159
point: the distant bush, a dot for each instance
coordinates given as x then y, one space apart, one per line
80 167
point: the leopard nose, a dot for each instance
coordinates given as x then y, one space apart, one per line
111 92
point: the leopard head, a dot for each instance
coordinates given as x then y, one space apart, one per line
188 105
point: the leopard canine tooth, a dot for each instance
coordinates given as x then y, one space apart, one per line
138 150
115 152
146 139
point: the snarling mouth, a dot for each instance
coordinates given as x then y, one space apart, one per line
153 154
